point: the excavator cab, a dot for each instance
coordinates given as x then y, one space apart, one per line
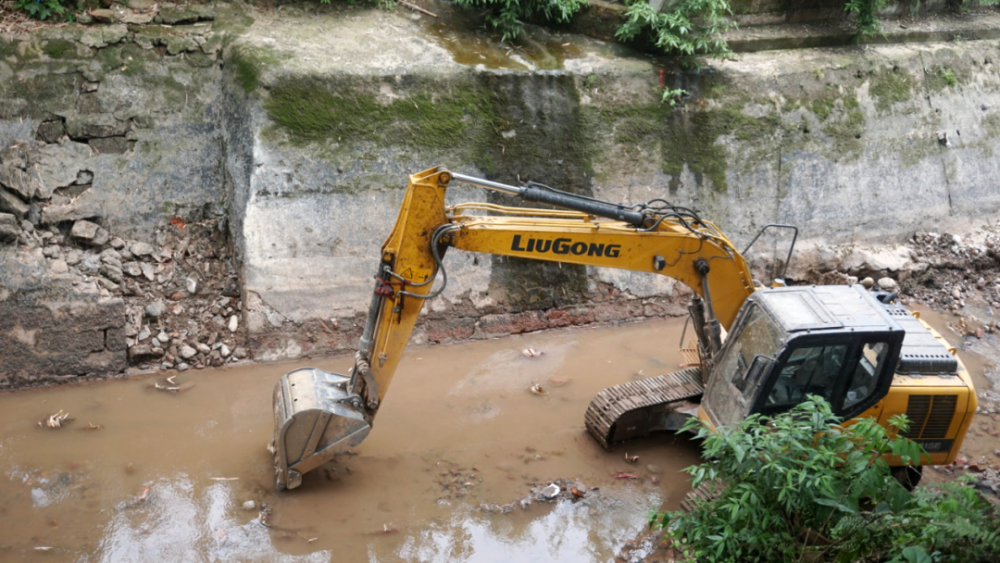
836 342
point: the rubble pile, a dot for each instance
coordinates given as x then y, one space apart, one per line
181 293
182 298
956 268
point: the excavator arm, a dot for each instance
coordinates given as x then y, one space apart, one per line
319 414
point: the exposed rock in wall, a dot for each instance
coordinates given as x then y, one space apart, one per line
51 330
118 119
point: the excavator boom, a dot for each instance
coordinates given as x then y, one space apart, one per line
319 415
863 354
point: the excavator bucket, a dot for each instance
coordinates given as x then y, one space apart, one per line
315 417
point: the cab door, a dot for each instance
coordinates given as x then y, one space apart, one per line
743 364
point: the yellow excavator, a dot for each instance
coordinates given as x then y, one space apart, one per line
857 349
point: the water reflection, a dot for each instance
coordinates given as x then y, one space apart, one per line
564 532
176 522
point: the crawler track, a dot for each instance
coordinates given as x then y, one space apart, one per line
635 409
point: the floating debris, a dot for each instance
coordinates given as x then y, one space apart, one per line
249 505
551 491
56 420
173 388
631 458
537 389
264 514
626 476
385 531
532 352
143 494
224 478
492 508
92 426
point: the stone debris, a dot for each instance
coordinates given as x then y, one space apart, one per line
563 489
955 269
456 482
9 227
183 310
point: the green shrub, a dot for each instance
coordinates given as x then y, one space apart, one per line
685 28
799 487
867 23
49 9
508 16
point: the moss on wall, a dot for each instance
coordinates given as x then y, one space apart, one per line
248 63
311 109
889 87
58 48
690 136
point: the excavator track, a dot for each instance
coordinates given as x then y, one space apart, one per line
635 409
707 491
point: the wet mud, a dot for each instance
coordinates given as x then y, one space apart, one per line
153 469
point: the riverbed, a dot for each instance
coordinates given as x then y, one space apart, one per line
450 472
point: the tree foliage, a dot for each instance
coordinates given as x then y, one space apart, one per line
685 28
800 487
867 22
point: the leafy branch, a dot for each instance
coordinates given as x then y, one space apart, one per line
801 486
686 28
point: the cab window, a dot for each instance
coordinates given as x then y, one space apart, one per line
865 378
759 336
809 370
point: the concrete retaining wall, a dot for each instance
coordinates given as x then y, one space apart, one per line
299 133
858 147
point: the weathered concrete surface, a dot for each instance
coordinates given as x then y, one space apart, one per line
52 331
858 147
106 133
133 108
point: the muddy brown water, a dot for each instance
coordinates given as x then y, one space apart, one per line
459 436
